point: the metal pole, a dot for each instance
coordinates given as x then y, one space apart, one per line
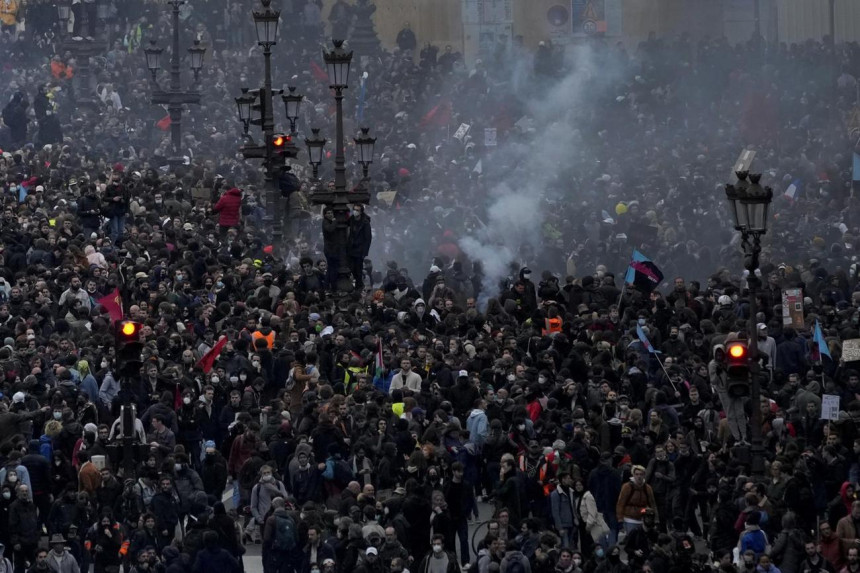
833 21
757 17
341 211
175 108
757 453
273 202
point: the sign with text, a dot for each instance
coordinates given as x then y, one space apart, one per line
792 307
851 350
490 136
830 407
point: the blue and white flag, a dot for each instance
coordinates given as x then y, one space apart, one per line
818 338
792 190
644 339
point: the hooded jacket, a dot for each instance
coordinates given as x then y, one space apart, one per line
478 426
228 206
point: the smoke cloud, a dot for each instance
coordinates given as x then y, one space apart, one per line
537 161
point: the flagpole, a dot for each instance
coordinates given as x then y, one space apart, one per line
666 372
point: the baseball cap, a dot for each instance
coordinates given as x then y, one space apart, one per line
372 551
463 374
761 326
18 397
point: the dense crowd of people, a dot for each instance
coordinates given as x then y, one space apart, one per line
374 433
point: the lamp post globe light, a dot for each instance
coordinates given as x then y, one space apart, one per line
749 204
174 97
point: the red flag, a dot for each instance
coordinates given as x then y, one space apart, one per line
318 72
113 304
163 123
439 116
208 359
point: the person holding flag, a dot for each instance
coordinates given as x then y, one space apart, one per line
821 345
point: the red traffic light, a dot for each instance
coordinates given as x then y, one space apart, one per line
280 140
737 351
128 330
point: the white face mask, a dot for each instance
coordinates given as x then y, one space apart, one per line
7 495
214 380
186 400
437 548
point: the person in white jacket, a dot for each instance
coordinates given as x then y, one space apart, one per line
592 520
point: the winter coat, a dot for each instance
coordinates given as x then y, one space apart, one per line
229 207
633 499
187 483
262 496
563 507
215 559
360 236
788 551
593 519
64 563
24 523
478 427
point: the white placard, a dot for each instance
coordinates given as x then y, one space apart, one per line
490 136
830 407
462 131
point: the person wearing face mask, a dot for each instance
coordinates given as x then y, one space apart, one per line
262 494
437 560
187 419
186 481
358 244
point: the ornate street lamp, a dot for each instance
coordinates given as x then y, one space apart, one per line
292 103
244 103
174 96
749 204
315 145
266 24
364 143
337 61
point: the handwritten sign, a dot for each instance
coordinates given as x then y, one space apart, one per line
851 350
830 407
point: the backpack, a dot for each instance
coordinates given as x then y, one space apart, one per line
285 534
342 473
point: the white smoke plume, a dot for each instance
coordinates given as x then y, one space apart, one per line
531 161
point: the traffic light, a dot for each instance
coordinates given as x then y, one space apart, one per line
128 348
738 369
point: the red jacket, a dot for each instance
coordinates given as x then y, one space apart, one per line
228 206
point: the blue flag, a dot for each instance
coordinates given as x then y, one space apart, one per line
644 339
643 273
818 338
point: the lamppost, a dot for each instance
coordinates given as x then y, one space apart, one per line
174 96
82 45
276 147
749 203
337 62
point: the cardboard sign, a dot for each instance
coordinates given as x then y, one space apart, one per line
462 131
851 350
386 197
490 137
792 307
830 407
